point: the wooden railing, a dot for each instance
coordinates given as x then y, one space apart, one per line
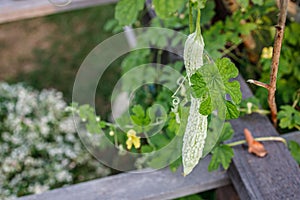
160 184
12 10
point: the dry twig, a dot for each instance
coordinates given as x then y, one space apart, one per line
271 87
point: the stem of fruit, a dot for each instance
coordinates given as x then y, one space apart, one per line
198 26
191 21
271 87
260 139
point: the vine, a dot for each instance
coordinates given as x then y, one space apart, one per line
207 87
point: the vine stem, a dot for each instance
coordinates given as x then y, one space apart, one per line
191 21
297 99
271 87
260 139
198 25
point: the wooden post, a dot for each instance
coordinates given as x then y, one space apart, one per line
276 176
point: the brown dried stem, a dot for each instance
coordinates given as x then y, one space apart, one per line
271 87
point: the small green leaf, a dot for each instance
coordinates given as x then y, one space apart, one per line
228 71
127 11
198 85
206 107
146 149
176 164
258 2
232 111
294 148
164 8
246 28
93 127
289 117
243 3
201 3
227 132
139 116
138 111
233 89
85 112
222 154
102 124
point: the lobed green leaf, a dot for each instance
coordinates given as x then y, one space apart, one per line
294 148
127 11
222 154
164 8
289 117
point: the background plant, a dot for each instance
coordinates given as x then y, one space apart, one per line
39 146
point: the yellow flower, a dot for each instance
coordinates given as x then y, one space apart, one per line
133 139
267 52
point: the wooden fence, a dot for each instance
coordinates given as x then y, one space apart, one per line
161 184
12 10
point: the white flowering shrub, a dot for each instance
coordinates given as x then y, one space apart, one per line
39 146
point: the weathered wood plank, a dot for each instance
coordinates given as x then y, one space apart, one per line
12 10
161 184
293 136
277 176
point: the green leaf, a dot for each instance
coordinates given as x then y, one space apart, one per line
87 114
127 11
207 13
201 3
139 116
212 82
246 28
243 3
258 2
289 117
164 8
102 124
198 85
206 107
214 132
176 164
227 132
294 148
233 89
228 71
222 154
146 149
93 127
232 111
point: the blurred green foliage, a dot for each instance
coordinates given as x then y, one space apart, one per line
75 35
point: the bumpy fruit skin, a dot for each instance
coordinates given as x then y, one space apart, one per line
196 128
193 53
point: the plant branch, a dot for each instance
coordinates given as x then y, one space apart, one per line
258 83
271 87
191 21
260 139
275 58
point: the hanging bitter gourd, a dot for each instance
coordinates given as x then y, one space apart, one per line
196 128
